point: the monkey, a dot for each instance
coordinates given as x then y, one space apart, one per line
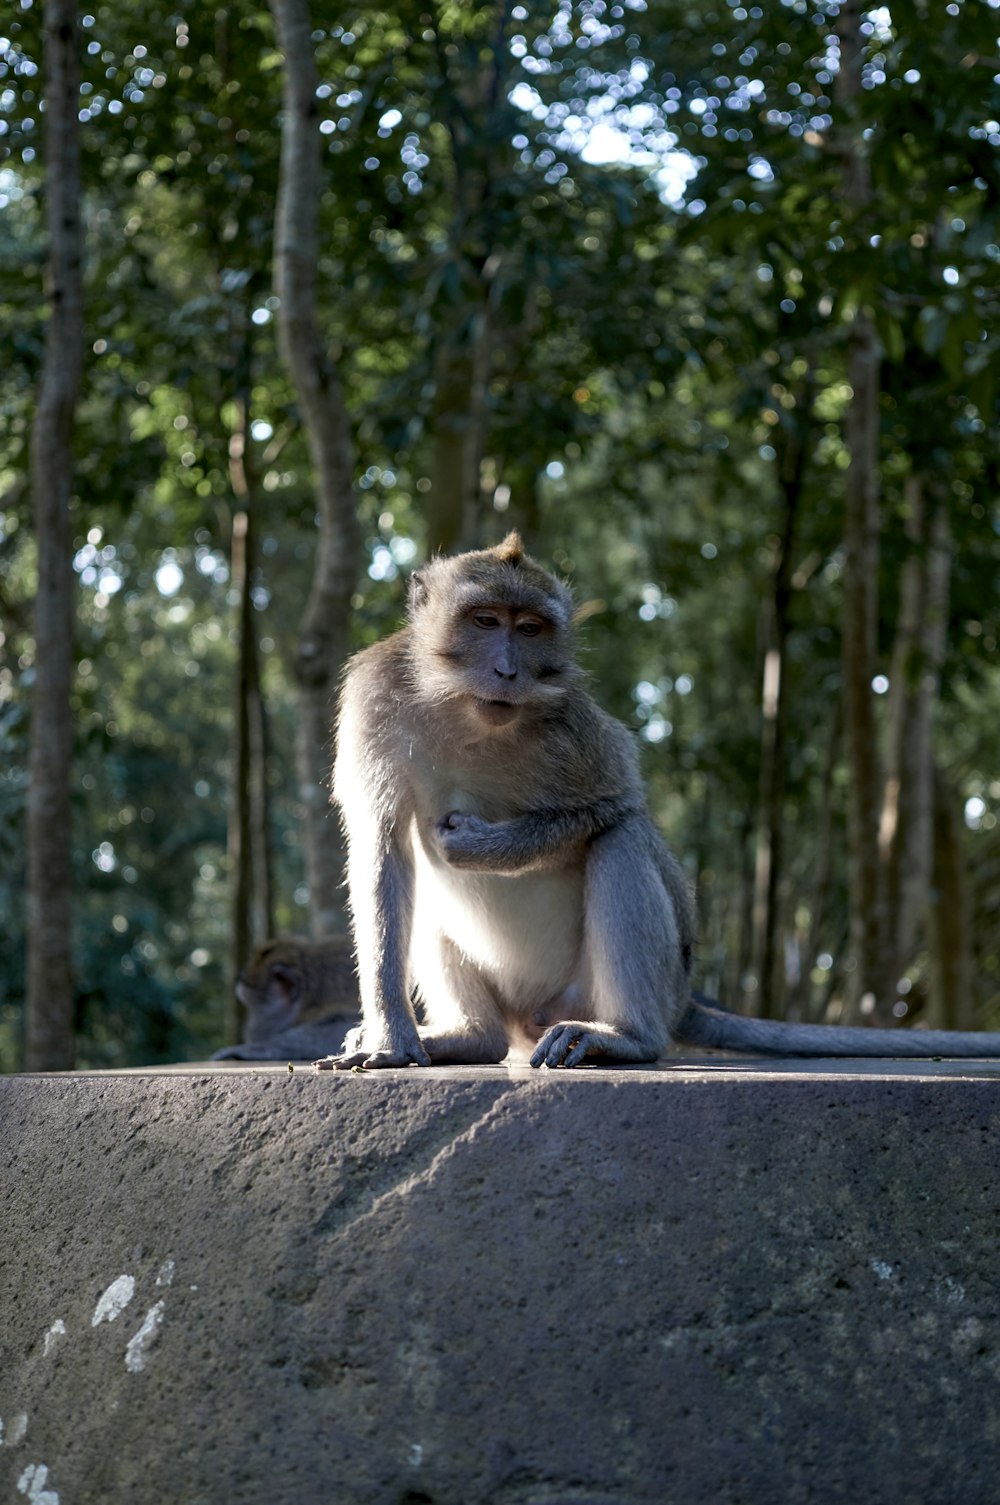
504 872
300 997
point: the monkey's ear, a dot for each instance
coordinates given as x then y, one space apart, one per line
511 550
289 981
417 591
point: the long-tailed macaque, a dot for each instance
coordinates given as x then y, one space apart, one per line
300 998
503 868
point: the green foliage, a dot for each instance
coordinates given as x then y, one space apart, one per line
668 333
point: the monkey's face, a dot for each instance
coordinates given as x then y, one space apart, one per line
503 655
490 630
270 989
502 661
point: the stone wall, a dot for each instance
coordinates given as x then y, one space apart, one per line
712 1282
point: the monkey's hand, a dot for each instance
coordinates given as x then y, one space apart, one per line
524 844
384 1051
572 1041
467 840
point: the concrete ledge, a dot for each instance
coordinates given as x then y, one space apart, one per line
717 1282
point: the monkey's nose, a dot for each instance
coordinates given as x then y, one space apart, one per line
505 670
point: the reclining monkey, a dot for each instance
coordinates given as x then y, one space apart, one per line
502 864
299 997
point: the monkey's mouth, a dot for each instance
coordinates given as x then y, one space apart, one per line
496 712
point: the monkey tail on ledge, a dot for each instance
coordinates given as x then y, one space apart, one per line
707 1024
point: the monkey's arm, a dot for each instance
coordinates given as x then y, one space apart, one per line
380 881
528 842
376 809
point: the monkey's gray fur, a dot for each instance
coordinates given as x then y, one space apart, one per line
502 865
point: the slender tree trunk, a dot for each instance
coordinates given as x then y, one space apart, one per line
952 996
906 833
325 632
260 798
475 116
774 720
758 990
49 1018
768 868
744 951
249 844
458 436
867 989
803 997
868 913
240 839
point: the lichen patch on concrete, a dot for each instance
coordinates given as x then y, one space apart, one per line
55 1332
143 1340
114 1300
32 1483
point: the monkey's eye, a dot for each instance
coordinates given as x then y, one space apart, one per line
529 628
486 619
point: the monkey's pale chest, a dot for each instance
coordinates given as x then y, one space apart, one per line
523 931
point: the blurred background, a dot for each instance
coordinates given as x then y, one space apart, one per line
702 298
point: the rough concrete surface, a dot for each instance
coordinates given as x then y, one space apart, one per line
710 1282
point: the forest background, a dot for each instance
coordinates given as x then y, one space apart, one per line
701 297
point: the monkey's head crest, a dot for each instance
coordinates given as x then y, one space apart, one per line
511 550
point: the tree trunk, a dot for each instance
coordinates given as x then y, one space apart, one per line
906 836
774 718
49 1011
240 840
952 1003
868 915
325 632
867 986
744 846
803 1000
476 117
249 844
458 434
760 998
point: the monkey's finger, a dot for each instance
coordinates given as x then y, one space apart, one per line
340 1063
540 1054
581 1050
554 1046
380 1058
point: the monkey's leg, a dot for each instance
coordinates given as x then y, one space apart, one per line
637 978
463 1023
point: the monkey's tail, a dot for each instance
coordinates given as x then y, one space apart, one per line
703 1024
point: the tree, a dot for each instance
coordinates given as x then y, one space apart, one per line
324 640
49 1006
859 634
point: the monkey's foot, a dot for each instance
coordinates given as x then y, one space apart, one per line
569 1043
372 1060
